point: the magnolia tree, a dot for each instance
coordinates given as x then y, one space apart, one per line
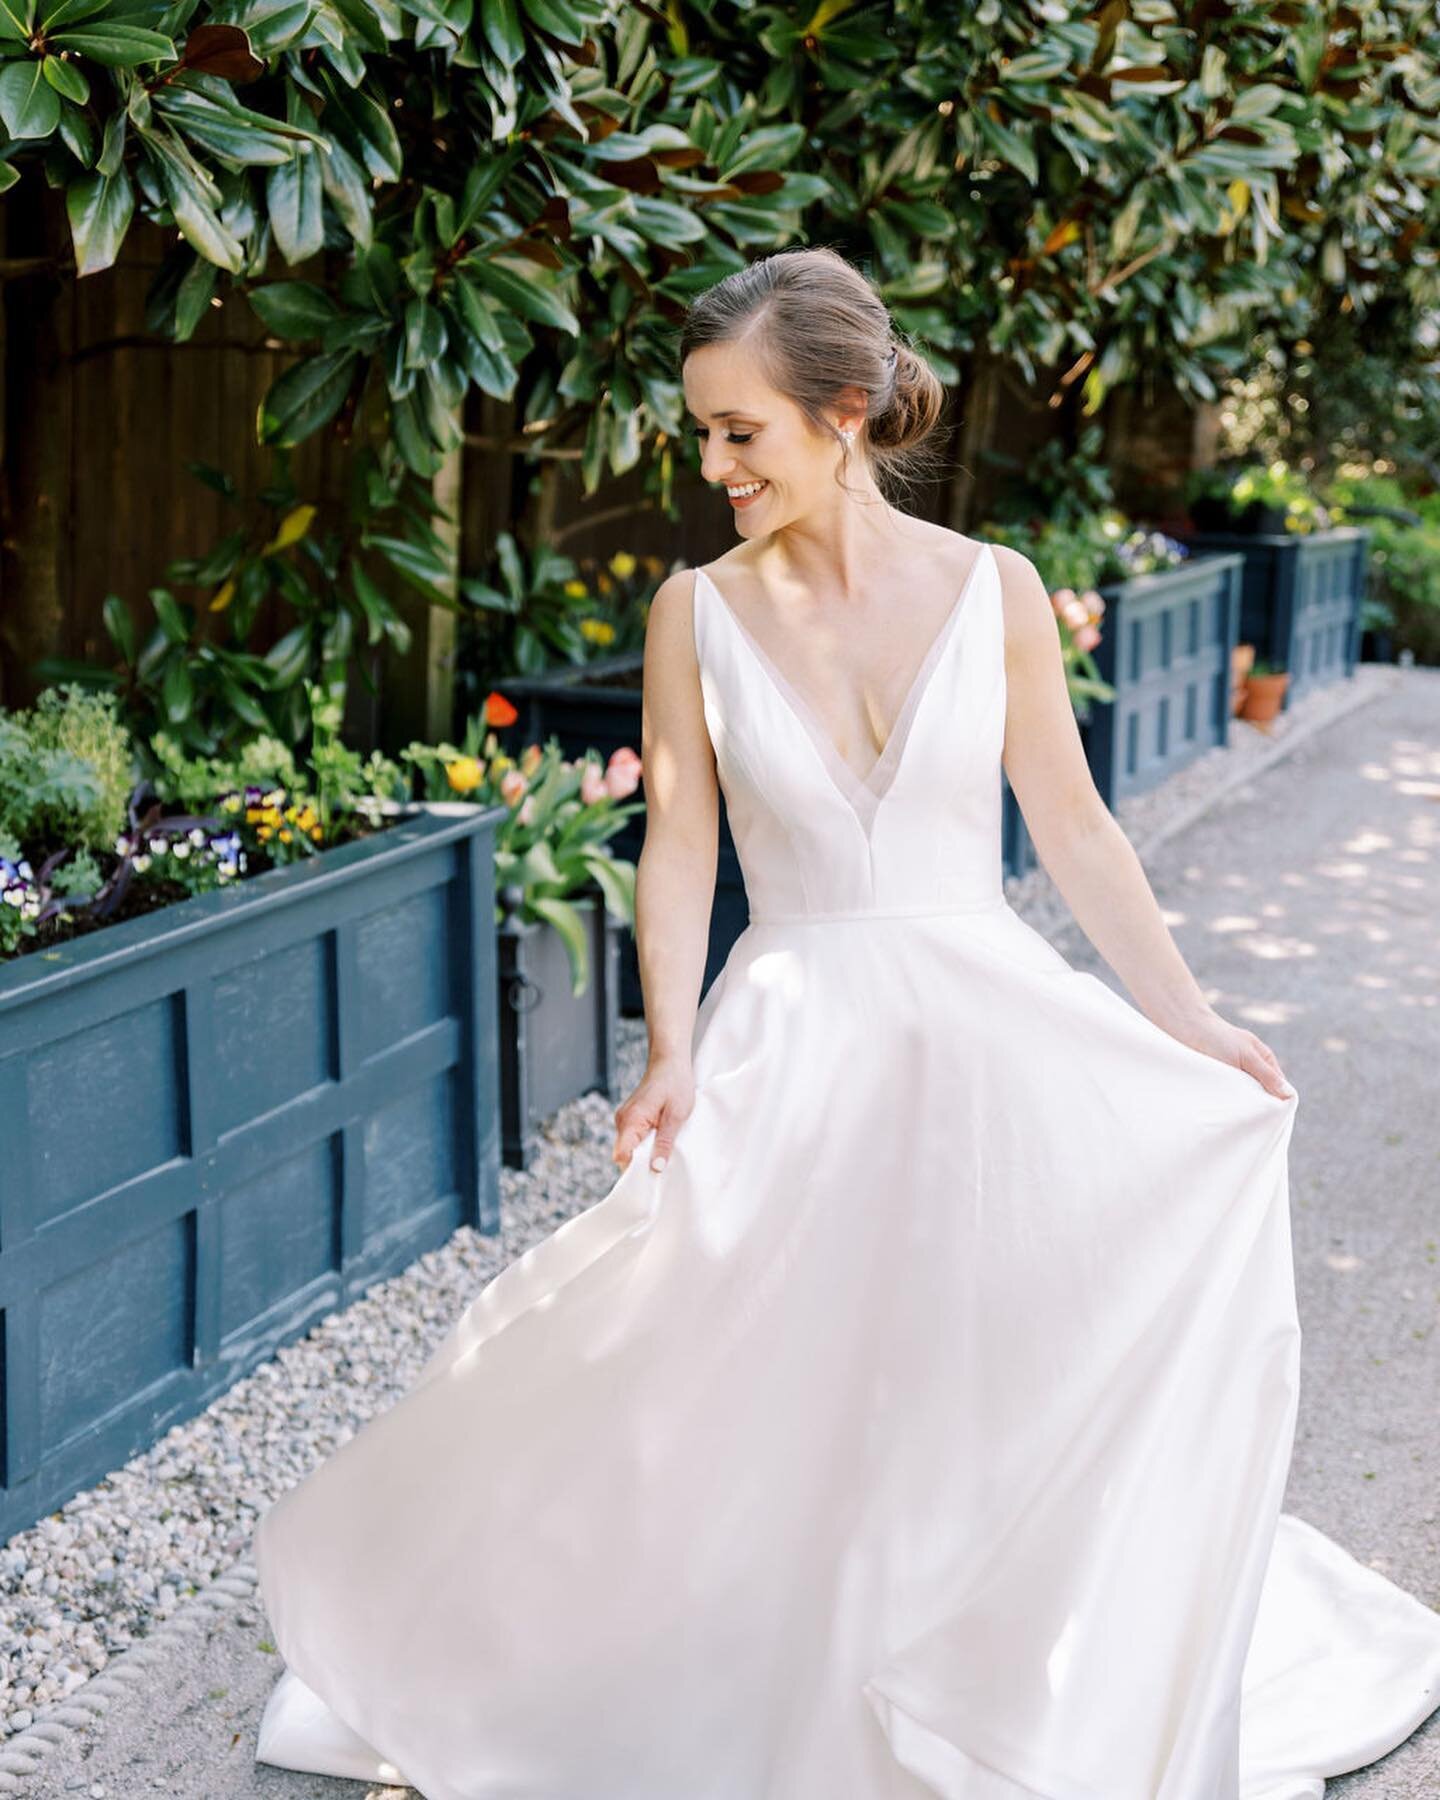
518 197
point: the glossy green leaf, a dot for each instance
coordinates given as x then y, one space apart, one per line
29 105
66 78
117 45
293 309
100 208
500 21
293 194
305 397
524 294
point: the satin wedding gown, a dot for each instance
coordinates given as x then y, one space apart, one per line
920 1430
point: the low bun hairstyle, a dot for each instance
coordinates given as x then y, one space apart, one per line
819 327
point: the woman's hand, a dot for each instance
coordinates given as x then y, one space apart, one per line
664 1098
1206 1031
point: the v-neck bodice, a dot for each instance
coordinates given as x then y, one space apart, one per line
921 828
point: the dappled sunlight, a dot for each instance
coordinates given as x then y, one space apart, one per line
1363 885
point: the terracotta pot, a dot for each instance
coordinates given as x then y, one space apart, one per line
1241 657
1264 695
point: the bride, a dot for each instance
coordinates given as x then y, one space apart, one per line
912 1416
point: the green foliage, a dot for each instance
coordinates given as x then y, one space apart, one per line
1277 485
428 203
550 846
1404 592
66 769
195 675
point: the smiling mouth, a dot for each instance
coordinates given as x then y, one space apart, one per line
751 490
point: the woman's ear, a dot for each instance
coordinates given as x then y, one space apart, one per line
849 409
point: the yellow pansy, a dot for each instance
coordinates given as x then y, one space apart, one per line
623 564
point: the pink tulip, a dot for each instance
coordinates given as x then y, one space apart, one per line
592 783
1076 614
526 814
512 785
1088 637
622 773
1061 598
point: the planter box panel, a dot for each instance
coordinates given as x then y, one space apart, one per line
1168 656
410 1158
272 1031
402 968
125 1078
198 1161
278 1231
120 1323
1303 599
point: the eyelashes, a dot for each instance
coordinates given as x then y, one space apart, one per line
698 431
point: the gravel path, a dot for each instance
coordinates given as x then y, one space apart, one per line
135 1605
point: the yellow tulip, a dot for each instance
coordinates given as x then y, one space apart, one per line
464 774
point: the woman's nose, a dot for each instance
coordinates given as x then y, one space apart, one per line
717 464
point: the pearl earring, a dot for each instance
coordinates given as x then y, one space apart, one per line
848 437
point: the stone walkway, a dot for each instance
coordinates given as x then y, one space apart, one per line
1304 898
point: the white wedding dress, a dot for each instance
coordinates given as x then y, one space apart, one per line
920 1430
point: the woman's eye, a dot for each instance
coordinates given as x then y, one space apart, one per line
733 437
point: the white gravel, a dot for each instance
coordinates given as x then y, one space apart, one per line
95 1577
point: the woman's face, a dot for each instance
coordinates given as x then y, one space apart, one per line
752 436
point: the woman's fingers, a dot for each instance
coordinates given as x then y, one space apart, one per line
1268 1072
664 1140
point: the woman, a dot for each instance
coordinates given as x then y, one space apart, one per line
912 1416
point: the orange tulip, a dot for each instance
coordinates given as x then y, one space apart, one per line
498 710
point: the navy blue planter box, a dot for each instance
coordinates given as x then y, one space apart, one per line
226 1119
1166 648
587 708
1302 599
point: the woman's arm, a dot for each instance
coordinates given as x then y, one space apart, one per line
675 875
1080 843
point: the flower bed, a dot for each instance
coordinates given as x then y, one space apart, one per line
225 1120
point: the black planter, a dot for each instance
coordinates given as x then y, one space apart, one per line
1212 513
1377 646
597 707
554 1044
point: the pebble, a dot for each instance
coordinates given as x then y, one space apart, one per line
87 1581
